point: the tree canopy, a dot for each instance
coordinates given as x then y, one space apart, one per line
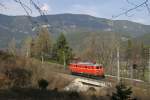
61 51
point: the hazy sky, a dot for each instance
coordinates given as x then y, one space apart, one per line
98 8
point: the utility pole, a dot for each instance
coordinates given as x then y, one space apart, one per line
27 52
118 65
42 58
64 60
131 71
149 64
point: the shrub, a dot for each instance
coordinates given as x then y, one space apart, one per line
43 84
19 77
122 93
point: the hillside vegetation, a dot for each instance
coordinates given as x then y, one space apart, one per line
20 26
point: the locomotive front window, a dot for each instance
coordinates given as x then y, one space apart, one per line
97 67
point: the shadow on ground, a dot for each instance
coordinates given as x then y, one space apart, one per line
37 94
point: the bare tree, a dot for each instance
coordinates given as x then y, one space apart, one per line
144 3
42 43
28 9
26 47
102 48
12 47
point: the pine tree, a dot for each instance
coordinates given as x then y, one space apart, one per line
122 92
61 50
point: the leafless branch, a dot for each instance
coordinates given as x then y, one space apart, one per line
24 6
144 3
132 3
148 8
2 5
42 13
28 10
128 1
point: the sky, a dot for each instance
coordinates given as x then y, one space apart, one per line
97 8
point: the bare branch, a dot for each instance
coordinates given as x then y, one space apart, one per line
148 8
42 13
24 6
131 3
2 5
28 10
128 15
145 3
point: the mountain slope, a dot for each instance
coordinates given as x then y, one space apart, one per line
21 26
144 38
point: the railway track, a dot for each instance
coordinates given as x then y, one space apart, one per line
109 81
102 82
107 78
127 78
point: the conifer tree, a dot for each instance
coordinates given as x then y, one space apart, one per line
122 92
61 51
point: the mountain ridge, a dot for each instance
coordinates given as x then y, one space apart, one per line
21 26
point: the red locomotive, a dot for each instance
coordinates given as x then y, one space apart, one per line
87 68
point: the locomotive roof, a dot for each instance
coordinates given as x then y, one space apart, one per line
87 63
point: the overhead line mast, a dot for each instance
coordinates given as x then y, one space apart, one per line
118 65
149 69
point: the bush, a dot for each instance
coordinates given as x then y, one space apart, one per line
122 93
43 84
19 77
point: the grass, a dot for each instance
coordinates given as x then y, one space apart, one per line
147 75
51 72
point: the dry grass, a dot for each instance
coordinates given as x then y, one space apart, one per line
57 82
38 70
36 94
141 94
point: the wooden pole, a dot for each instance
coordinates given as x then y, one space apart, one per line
64 60
118 65
148 71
